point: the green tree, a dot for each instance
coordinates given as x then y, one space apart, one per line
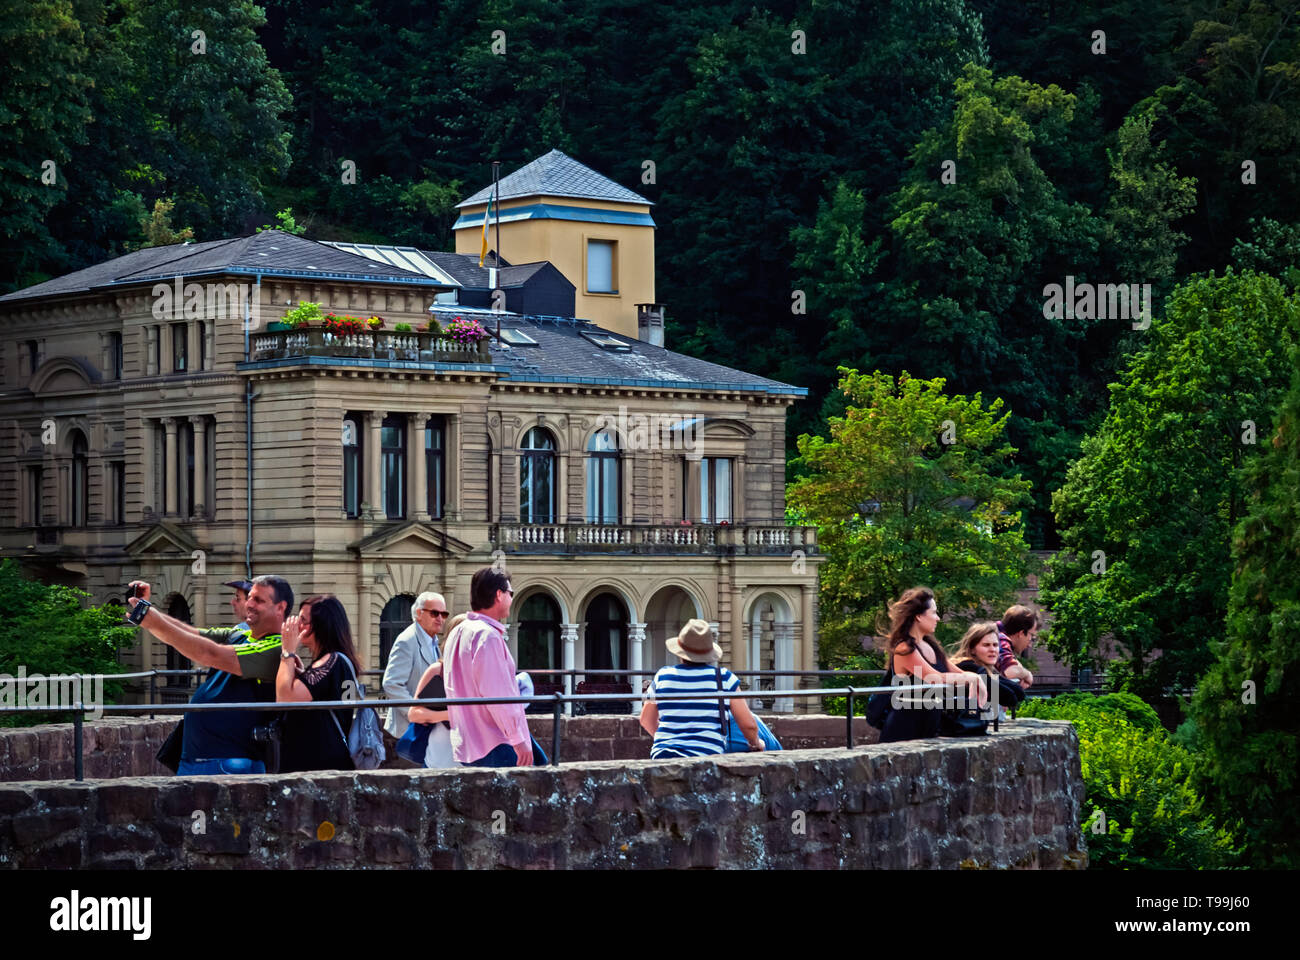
47 630
1272 247
157 228
43 114
1146 511
906 491
1247 705
1235 101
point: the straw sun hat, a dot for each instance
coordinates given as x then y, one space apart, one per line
695 643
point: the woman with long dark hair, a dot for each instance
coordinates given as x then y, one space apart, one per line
914 655
317 739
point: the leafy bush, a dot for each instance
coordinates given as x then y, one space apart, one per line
1143 809
1133 708
47 630
401 328
303 315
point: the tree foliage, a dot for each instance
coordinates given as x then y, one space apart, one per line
1146 511
1142 806
908 491
1247 706
47 630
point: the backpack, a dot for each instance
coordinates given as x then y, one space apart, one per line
365 739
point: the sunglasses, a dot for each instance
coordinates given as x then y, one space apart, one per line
435 613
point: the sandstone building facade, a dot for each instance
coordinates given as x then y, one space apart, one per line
158 423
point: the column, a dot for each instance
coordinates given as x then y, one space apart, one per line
148 495
169 468
192 359
199 425
569 634
636 645
627 483
147 340
418 483
740 659
494 509
164 348
451 467
209 329
562 487
369 651
373 451
809 658
783 641
738 513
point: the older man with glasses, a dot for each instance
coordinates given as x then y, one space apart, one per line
414 650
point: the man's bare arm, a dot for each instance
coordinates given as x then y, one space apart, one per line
189 642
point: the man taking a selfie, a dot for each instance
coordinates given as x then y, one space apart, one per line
243 666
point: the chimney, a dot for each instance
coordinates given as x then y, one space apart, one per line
650 323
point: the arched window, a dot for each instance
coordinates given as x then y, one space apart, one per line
606 645
352 465
395 618
80 473
603 481
537 477
392 470
538 622
435 465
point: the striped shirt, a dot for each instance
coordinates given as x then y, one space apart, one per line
689 727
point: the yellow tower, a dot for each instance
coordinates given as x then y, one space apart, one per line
595 232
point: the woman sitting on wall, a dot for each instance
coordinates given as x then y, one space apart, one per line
317 739
978 653
916 657
695 728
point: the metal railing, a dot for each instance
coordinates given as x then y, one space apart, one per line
557 701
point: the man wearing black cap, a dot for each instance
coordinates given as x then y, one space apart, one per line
237 602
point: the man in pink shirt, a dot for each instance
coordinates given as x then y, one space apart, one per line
477 663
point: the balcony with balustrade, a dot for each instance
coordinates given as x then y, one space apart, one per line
677 539
369 345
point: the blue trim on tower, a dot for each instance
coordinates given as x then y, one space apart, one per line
555 211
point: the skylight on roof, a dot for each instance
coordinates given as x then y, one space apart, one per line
517 338
606 342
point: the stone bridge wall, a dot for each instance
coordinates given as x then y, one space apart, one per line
1012 799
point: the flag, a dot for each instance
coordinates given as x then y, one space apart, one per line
482 256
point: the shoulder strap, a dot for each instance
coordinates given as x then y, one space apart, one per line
722 712
338 726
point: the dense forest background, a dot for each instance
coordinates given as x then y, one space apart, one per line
797 147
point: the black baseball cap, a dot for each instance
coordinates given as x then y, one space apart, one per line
244 585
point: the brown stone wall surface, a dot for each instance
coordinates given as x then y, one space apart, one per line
118 747
1011 799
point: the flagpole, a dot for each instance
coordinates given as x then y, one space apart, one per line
496 190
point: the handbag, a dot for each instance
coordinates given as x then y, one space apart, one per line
733 738
169 754
365 738
963 722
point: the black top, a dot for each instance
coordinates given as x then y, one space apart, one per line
1010 693
434 688
309 739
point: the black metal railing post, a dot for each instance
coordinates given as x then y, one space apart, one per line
77 772
555 728
848 731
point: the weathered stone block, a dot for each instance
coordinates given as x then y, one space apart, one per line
394 848
126 803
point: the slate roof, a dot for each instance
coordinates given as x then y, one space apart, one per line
461 268
564 355
270 253
558 175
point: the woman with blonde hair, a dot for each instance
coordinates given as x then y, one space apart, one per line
439 752
978 653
